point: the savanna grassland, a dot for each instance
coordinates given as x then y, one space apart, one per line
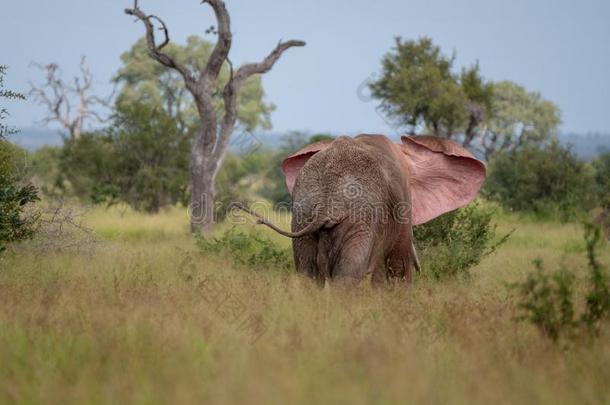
142 318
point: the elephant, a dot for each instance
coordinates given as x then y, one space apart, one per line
355 202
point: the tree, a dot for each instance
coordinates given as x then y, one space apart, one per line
418 88
142 160
59 97
15 193
145 80
214 127
520 118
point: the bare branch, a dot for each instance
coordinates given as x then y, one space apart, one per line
164 29
250 69
57 96
235 83
154 50
223 44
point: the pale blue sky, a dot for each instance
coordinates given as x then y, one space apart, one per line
558 47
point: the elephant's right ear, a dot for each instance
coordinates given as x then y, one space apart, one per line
293 163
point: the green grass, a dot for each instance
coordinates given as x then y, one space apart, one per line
142 319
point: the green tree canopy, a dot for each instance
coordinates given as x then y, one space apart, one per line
419 88
142 160
144 80
520 118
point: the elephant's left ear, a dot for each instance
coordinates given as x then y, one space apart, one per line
443 176
293 163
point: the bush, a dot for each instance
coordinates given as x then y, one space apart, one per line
550 182
45 170
250 250
547 299
15 196
87 166
142 160
601 165
450 245
236 177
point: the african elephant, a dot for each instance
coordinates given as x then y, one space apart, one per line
355 201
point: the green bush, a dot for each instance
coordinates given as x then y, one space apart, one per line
601 165
45 170
450 245
550 182
546 299
142 160
15 196
236 178
249 250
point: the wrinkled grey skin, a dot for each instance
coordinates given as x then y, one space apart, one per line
352 196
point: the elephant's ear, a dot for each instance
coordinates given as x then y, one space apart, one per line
293 163
443 176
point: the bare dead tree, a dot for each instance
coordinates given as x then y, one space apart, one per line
212 141
58 98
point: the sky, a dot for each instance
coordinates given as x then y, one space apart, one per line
560 48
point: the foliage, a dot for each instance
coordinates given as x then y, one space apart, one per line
549 182
15 192
15 196
418 87
6 130
450 245
547 299
44 167
519 118
87 167
251 250
140 160
144 80
602 179
238 173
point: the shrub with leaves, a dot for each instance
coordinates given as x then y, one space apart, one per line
450 245
550 182
15 193
546 299
250 250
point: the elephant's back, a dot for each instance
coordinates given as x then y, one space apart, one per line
349 173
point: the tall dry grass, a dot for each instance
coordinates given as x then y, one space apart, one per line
146 319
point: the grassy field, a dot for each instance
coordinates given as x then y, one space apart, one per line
144 318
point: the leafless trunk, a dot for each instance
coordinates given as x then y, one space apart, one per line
58 96
215 129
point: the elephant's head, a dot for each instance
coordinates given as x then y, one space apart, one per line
441 174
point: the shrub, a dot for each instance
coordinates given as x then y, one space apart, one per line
142 160
15 196
602 179
250 250
549 182
236 177
450 245
547 299
45 170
